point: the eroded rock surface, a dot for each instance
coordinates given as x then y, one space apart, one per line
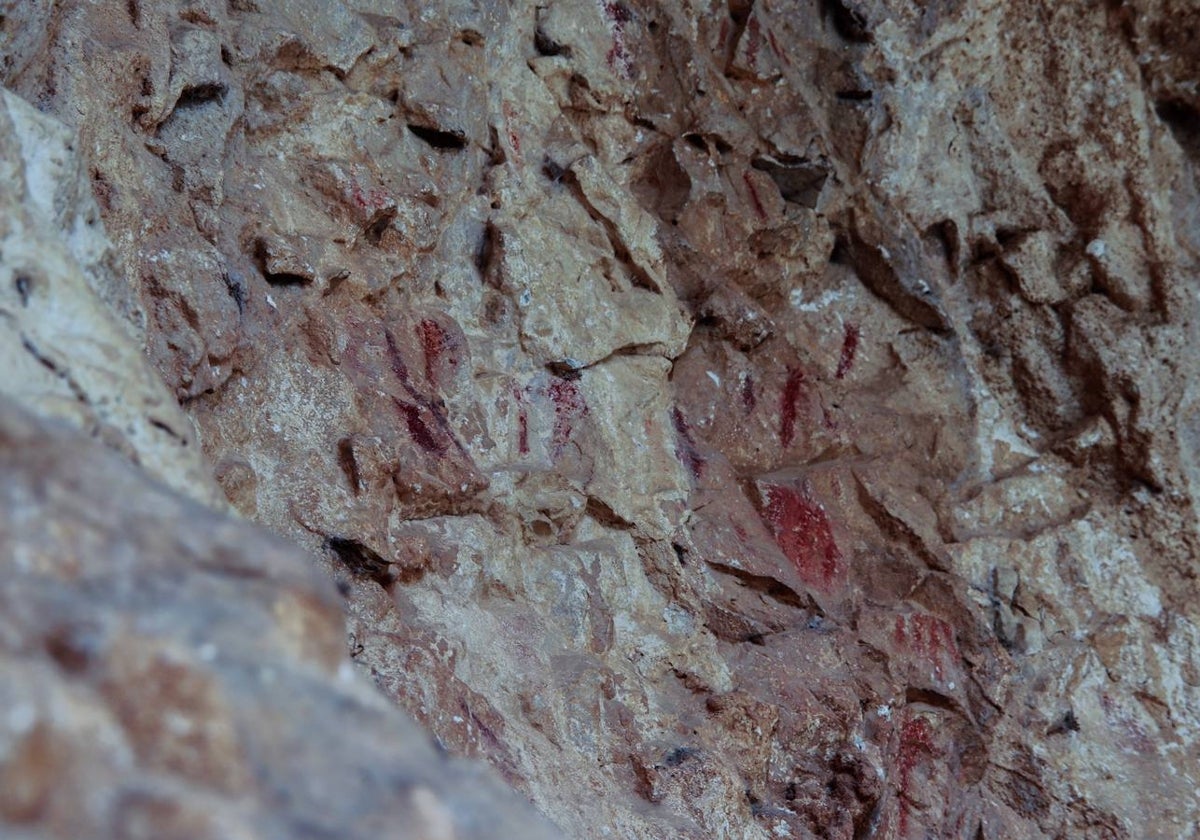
750 419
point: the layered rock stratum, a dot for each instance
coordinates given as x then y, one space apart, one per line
730 420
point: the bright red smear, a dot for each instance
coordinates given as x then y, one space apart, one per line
435 341
931 639
686 451
792 392
748 398
417 429
568 407
753 40
775 47
758 208
916 747
618 56
850 336
801 529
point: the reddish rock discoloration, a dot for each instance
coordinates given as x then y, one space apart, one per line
931 640
793 394
850 337
686 448
569 407
801 528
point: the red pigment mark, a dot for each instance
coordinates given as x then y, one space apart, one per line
514 142
568 407
435 341
930 638
748 398
417 429
724 33
758 208
850 336
618 56
775 47
916 747
1136 737
753 41
373 199
801 529
523 433
687 451
792 392
395 359
522 422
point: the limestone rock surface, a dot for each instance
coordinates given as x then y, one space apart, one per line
755 419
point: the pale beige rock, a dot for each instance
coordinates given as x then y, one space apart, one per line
67 352
170 671
749 419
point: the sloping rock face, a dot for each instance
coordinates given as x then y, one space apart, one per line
750 419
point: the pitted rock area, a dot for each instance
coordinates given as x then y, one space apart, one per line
757 419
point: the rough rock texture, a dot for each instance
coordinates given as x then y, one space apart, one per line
170 672
750 419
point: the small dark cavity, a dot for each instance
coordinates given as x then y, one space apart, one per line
23 283
134 9
285 278
739 11
1067 723
495 151
486 250
349 464
841 251
440 140
855 95
679 755
359 559
553 171
281 278
680 553
696 141
226 56
1184 123
194 97
849 20
380 222
545 45
471 37
75 646
800 181
564 369
167 430
235 285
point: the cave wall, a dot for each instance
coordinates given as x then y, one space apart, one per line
749 419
